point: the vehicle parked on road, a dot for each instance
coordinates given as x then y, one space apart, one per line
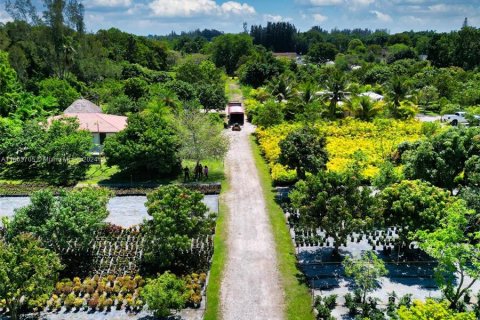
235 113
455 119
236 127
460 117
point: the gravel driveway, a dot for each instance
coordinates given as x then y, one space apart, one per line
251 286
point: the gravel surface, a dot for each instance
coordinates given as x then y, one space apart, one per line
251 286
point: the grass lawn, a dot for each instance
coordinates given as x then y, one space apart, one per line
297 296
104 174
219 260
232 89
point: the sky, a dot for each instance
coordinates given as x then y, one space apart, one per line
144 17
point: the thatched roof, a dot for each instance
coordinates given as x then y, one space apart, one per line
83 106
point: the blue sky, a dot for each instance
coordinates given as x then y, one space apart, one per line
162 16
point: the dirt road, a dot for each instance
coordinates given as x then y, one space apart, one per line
251 285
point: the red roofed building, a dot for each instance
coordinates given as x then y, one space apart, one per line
91 118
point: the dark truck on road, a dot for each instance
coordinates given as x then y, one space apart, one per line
235 113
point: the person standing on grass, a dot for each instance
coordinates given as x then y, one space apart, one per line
200 171
186 174
205 172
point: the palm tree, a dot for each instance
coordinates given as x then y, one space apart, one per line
363 107
336 85
281 88
397 91
302 97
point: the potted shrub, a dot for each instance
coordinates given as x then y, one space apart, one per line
78 303
119 302
69 301
139 305
93 303
130 302
101 303
108 304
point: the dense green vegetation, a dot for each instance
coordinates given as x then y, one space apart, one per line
357 163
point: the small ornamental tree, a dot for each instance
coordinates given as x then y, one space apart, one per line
456 250
201 137
268 114
179 215
413 205
149 146
53 151
304 150
365 271
432 310
27 271
165 293
439 159
71 217
472 171
336 202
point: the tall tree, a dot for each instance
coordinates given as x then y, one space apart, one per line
336 85
441 158
72 217
413 205
228 49
456 251
335 202
23 10
397 91
366 271
27 271
178 216
304 150
201 137
148 147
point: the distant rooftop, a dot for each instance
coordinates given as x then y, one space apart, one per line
92 119
97 122
83 106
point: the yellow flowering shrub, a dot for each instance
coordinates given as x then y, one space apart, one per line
373 140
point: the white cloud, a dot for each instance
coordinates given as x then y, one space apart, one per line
276 18
381 16
321 3
237 8
4 17
362 2
191 8
108 3
317 17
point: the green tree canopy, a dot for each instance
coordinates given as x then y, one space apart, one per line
165 293
71 217
322 52
304 150
60 89
200 137
178 216
432 310
268 114
53 152
366 272
260 67
27 271
441 158
336 203
456 251
413 205
227 50
149 146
